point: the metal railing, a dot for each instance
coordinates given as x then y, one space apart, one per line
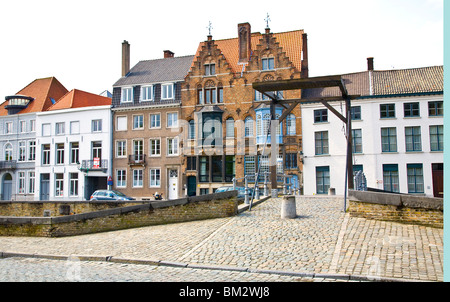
93 165
137 159
8 164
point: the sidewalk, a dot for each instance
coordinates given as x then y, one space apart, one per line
321 242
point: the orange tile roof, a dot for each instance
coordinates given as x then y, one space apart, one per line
78 99
43 91
291 42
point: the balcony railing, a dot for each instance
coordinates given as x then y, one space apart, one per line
137 159
94 165
8 164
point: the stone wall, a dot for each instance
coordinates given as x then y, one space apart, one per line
400 208
153 213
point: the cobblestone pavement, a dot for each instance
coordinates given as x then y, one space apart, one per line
321 242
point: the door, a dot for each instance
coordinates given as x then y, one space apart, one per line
7 187
45 187
173 184
438 180
191 186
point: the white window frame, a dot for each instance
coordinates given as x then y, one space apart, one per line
74 160
117 122
73 183
46 129
22 151
23 126
8 152
167 91
145 91
8 127
31 150
60 128
151 120
59 185
21 188
125 96
75 127
173 148
123 148
59 159
154 182
151 149
96 126
134 122
33 126
140 182
31 182
171 122
123 175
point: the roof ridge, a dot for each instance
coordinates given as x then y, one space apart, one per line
160 59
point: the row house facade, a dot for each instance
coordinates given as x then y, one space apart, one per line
146 106
397 131
226 118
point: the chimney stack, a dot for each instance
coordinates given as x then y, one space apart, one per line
305 68
245 45
370 64
168 54
125 58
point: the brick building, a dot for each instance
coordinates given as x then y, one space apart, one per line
226 119
146 111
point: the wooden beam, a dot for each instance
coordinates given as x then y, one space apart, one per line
295 84
312 100
331 108
288 110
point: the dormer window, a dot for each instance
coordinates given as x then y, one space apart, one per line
16 103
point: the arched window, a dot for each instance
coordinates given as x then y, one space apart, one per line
249 127
230 127
290 125
210 93
8 152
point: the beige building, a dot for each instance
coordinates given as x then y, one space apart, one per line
146 119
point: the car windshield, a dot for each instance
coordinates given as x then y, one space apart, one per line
119 194
222 189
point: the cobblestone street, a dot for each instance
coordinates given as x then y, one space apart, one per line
255 245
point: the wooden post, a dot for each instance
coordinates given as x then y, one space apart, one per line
274 151
349 145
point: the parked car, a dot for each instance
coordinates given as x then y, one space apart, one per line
241 191
109 195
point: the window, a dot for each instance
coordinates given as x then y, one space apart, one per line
8 152
59 128
32 150
73 189
320 116
172 146
210 93
216 168
191 163
97 150
387 110
97 126
321 142
75 127
390 178
127 95
21 177
155 120
155 147
191 129
415 178
230 168
46 154
411 110
146 93
211 129
230 127
413 139
436 108
23 126
249 165
220 93
322 180
267 63
389 139
8 127
74 153
121 181
155 178
121 124
357 140
261 97
138 122
22 151
59 184
291 161
59 154
210 69
121 148
137 178
167 91
356 113
437 138
138 150
249 132
290 125
172 120
31 179
32 125
204 169
46 129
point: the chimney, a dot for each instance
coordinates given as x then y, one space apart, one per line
305 68
125 58
244 34
370 64
168 54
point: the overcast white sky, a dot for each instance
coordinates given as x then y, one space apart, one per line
79 42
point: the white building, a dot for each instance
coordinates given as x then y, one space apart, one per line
73 157
397 126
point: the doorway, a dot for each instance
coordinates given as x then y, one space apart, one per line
438 180
45 187
173 184
191 186
7 187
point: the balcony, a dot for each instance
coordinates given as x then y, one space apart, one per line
8 165
94 165
137 160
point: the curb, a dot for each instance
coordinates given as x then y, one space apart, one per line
208 267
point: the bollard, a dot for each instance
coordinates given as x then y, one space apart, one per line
257 192
331 191
266 186
274 193
246 200
288 207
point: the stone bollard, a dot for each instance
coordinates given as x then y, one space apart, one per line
288 208
331 191
274 193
